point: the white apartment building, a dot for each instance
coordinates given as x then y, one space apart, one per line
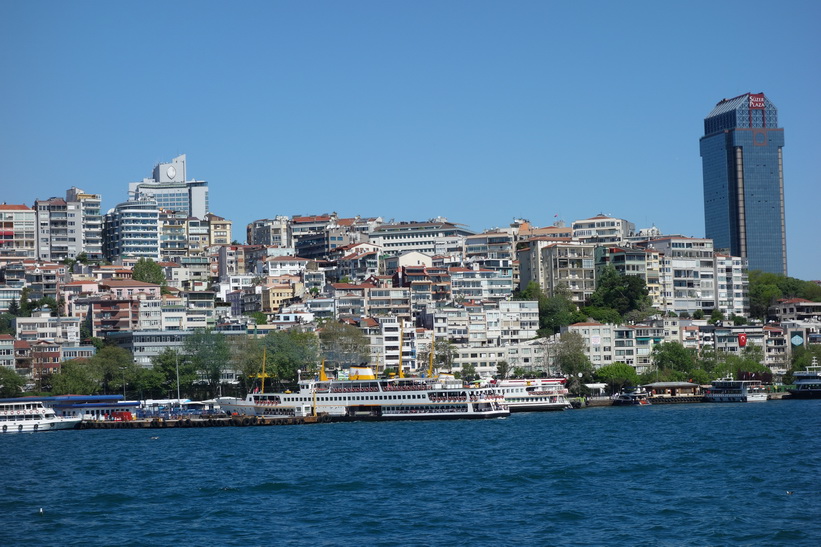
732 285
480 284
18 231
430 237
569 266
603 230
687 273
42 326
132 229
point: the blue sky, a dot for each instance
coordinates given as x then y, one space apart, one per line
476 111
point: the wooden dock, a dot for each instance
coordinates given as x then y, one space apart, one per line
220 421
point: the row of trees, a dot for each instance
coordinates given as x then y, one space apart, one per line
624 298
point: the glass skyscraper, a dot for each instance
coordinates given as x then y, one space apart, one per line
744 181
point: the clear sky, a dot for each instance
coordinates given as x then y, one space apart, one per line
476 111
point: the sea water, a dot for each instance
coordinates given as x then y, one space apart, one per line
697 474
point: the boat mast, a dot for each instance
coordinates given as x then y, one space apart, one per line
262 390
430 357
401 328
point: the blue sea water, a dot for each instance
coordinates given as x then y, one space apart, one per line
698 474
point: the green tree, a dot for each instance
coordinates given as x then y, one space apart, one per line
673 356
715 317
502 369
148 383
519 372
290 351
602 315
26 305
14 308
78 376
11 383
208 351
343 345
50 303
617 376
623 293
7 323
247 360
571 357
767 288
258 317
108 364
165 367
148 271
698 314
555 311
468 373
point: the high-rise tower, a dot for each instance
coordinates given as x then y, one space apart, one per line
744 181
171 190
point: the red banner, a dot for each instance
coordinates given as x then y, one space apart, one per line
742 339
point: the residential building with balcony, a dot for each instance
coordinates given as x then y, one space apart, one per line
42 326
687 273
422 237
18 231
603 230
275 232
132 229
7 351
732 286
480 284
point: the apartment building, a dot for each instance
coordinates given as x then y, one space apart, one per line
687 273
436 236
603 230
132 229
18 231
480 284
276 232
732 286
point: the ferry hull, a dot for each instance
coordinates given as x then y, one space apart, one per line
537 407
30 426
805 394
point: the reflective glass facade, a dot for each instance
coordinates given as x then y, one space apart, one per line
744 183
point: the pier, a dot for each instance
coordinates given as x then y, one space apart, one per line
213 421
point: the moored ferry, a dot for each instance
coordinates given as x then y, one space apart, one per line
364 397
29 415
728 390
536 394
807 382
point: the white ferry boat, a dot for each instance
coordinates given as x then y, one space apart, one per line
728 390
536 394
27 415
807 382
364 397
